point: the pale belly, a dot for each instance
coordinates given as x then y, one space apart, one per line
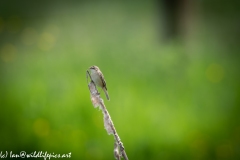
96 79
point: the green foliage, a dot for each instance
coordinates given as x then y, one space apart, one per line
168 101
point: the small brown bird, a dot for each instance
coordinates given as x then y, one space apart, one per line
98 79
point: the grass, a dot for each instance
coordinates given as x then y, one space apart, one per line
168 101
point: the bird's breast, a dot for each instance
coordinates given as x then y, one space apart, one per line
96 79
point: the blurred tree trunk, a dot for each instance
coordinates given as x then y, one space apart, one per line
177 18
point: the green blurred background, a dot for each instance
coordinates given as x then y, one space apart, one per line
174 95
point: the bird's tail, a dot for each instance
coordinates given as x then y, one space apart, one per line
106 93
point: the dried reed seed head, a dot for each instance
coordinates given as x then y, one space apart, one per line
95 101
116 151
